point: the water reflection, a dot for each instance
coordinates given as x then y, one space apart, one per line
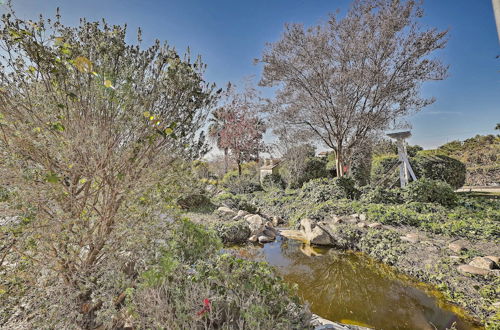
352 288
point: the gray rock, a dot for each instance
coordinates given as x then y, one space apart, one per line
411 237
255 223
226 211
472 270
306 226
350 219
277 221
234 232
456 247
362 217
319 237
375 225
494 259
253 239
362 225
268 232
483 263
265 239
242 213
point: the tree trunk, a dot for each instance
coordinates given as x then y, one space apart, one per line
225 160
340 163
239 167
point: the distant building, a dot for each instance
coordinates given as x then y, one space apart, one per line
323 154
271 166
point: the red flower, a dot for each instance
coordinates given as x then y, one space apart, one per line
206 307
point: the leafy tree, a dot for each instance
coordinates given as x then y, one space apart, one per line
90 126
347 78
217 125
242 132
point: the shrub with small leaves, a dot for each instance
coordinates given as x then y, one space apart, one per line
273 181
430 191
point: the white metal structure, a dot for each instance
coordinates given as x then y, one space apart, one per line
404 167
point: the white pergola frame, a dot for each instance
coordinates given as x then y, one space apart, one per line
404 167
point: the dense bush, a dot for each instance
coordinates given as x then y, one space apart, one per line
381 195
313 168
235 202
321 190
210 291
247 182
429 191
273 181
437 167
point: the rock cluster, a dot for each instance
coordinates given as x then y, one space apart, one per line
327 233
481 266
260 227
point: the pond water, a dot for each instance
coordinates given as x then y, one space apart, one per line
353 288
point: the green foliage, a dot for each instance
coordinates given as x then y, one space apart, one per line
383 245
424 164
312 168
247 182
429 191
234 232
379 194
439 167
273 181
190 273
4 194
321 190
192 242
235 202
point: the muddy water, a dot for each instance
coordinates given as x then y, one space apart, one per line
352 288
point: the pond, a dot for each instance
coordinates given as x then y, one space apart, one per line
353 288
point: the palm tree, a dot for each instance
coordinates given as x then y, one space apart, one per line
217 123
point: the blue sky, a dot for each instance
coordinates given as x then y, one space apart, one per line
230 34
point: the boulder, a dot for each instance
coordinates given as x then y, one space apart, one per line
362 225
226 212
255 223
242 213
362 217
269 233
472 270
306 226
494 259
350 219
265 239
375 225
234 232
483 263
318 236
456 247
411 237
277 221
253 239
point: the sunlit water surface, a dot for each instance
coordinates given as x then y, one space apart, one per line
355 289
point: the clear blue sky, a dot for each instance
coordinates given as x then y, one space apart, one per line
229 34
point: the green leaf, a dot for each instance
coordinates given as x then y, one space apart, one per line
52 178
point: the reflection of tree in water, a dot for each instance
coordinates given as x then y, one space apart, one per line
349 286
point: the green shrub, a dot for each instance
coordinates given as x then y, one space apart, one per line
191 242
381 195
313 168
235 232
245 183
196 203
439 167
273 181
424 164
4 194
321 190
235 202
430 191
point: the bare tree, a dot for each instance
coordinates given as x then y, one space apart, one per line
346 78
